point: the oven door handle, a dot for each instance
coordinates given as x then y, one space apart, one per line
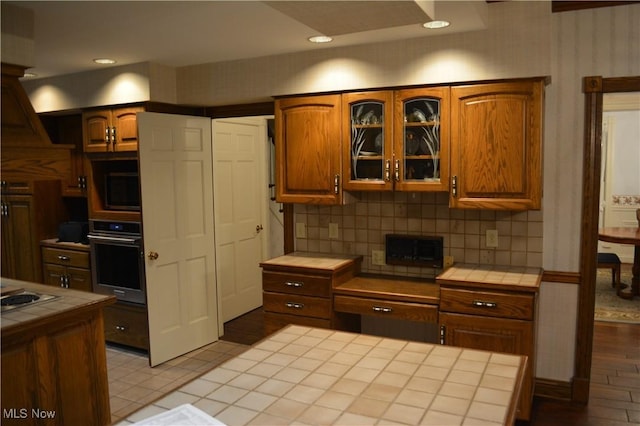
106 238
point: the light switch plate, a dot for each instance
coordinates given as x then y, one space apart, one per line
301 230
492 238
333 230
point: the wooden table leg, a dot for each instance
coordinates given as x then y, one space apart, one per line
635 279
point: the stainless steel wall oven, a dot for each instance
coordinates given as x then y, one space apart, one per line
117 259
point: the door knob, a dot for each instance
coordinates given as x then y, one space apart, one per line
152 255
259 228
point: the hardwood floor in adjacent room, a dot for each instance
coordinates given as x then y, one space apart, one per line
615 375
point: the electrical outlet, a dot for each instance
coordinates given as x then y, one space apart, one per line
301 230
333 230
492 238
377 257
448 262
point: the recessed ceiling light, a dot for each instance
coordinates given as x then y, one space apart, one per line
104 61
436 24
320 39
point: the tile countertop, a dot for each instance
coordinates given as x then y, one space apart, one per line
312 261
500 277
54 242
302 375
67 301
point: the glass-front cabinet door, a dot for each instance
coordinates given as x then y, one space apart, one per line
421 133
367 141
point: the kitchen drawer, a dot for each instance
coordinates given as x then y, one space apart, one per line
383 308
126 325
274 322
486 303
79 259
308 285
297 305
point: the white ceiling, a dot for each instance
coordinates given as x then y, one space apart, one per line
69 34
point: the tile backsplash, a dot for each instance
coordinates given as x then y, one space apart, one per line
362 227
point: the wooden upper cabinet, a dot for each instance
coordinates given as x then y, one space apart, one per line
308 150
421 139
496 145
367 140
111 129
396 140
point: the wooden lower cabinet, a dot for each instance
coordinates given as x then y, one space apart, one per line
127 324
56 374
496 321
299 290
65 267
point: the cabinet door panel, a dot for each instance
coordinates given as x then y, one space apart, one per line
308 150
421 139
496 143
490 334
21 216
367 140
125 122
79 279
53 274
94 130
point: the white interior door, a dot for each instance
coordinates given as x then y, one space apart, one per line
240 186
176 180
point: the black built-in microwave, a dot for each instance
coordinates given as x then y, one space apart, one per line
414 250
122 191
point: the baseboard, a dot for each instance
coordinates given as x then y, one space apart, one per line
553 389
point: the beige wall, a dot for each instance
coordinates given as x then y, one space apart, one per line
523 39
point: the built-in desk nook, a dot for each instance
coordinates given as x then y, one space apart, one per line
492 308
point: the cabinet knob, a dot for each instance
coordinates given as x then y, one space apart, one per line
121 328
153 255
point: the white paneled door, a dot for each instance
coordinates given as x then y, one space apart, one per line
176 180
241 201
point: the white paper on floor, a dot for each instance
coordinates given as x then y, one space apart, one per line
182 415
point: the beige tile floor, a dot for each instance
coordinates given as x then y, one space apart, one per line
133 384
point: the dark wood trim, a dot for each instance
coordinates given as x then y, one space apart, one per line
241 110
593 88
552 389
561 277
567 6
289 243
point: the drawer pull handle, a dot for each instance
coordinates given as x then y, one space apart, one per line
121 328
296 284
482 304
293 305
61 257
382 309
